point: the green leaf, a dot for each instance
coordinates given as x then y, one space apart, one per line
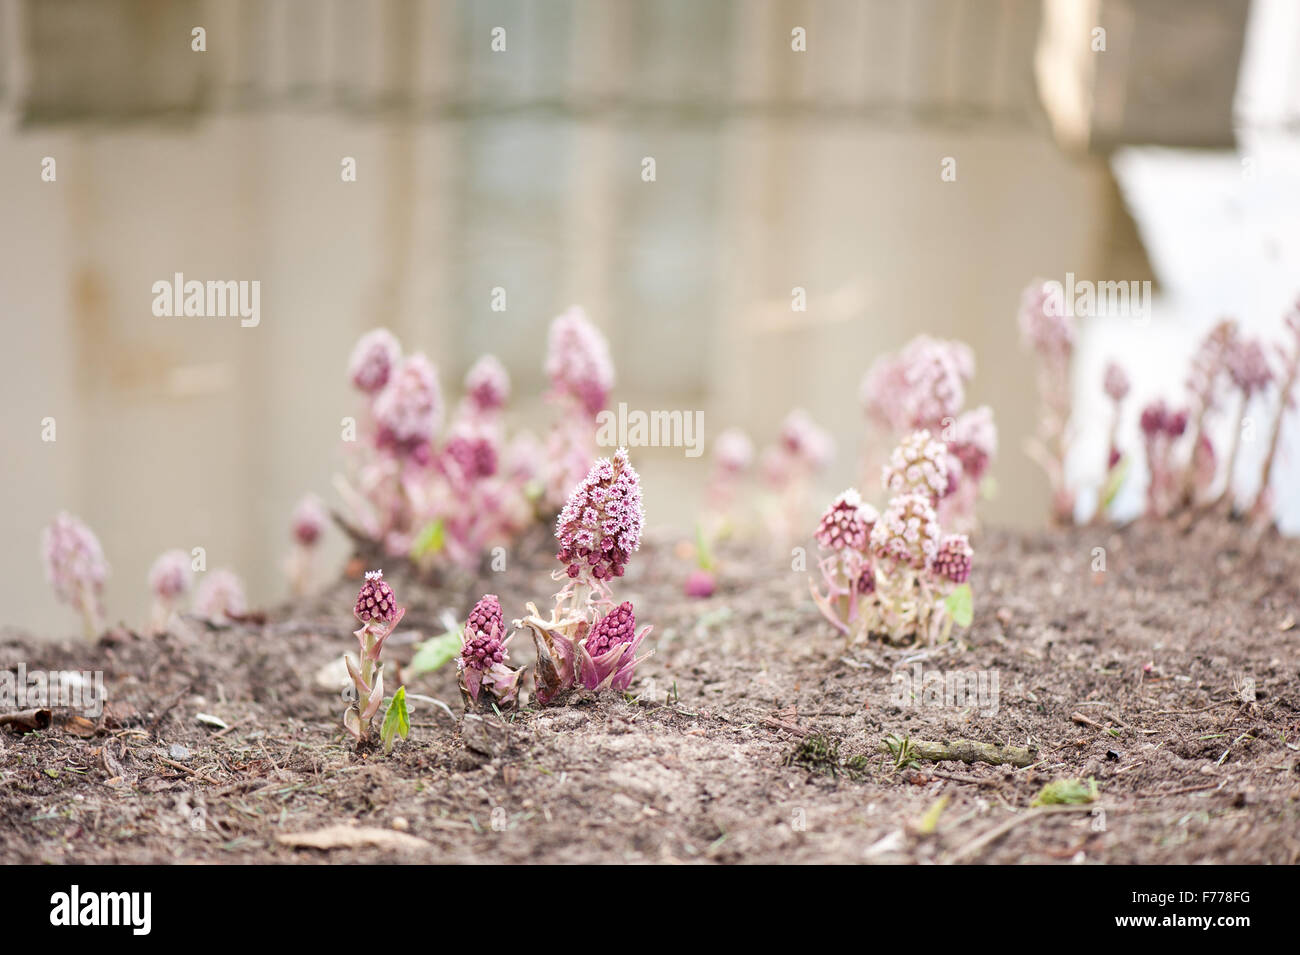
1067 792
434 653
430 540
703 556
1114 481
961 606
396 720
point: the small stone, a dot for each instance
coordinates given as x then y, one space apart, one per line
178 751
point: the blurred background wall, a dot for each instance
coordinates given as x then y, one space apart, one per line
521 169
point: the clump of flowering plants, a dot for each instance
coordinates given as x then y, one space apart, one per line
420 488
895 574
588 640
376 608
802 450
923 387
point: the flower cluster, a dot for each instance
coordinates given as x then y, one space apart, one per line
483 655
307 525
599 527
219 596
891 573
923 388
581 376
75 568
170 579
419 488
377 610
589 640
1161 429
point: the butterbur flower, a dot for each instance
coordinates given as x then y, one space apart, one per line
805 442
907 532
75 567
600 525
1044 325
487 385
974 442
220 596
952 561
934 373
409 409
373 359
169 580
1116 382
483 655
919 465
847 523
609 651
307 524
577 361
733 451
376 608
375 600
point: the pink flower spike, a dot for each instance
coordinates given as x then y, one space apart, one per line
220 596
170 576
75 567
919 465
847 523
375 600
577 361
600 526
309 520
975 441
409 409
1116 381
907 532
1044 326
482 661
953 559
733 451
609 652
373 359
487 385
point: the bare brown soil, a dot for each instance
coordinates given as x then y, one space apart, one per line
1137 676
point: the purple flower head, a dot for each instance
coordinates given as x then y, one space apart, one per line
470 455
483 654
609 652
170 576
600 525
1044 326
803 441
847 523
220 595
1116 381
577 361
409 408
1159 419
907 532
309 520
1248 366
733 451
918 466
975 441
483 645
933 375
373 359
375 601
74 561
882 391
953 559
487 385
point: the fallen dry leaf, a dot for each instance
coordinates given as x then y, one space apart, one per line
352 837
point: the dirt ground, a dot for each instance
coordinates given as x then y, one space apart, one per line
751 734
